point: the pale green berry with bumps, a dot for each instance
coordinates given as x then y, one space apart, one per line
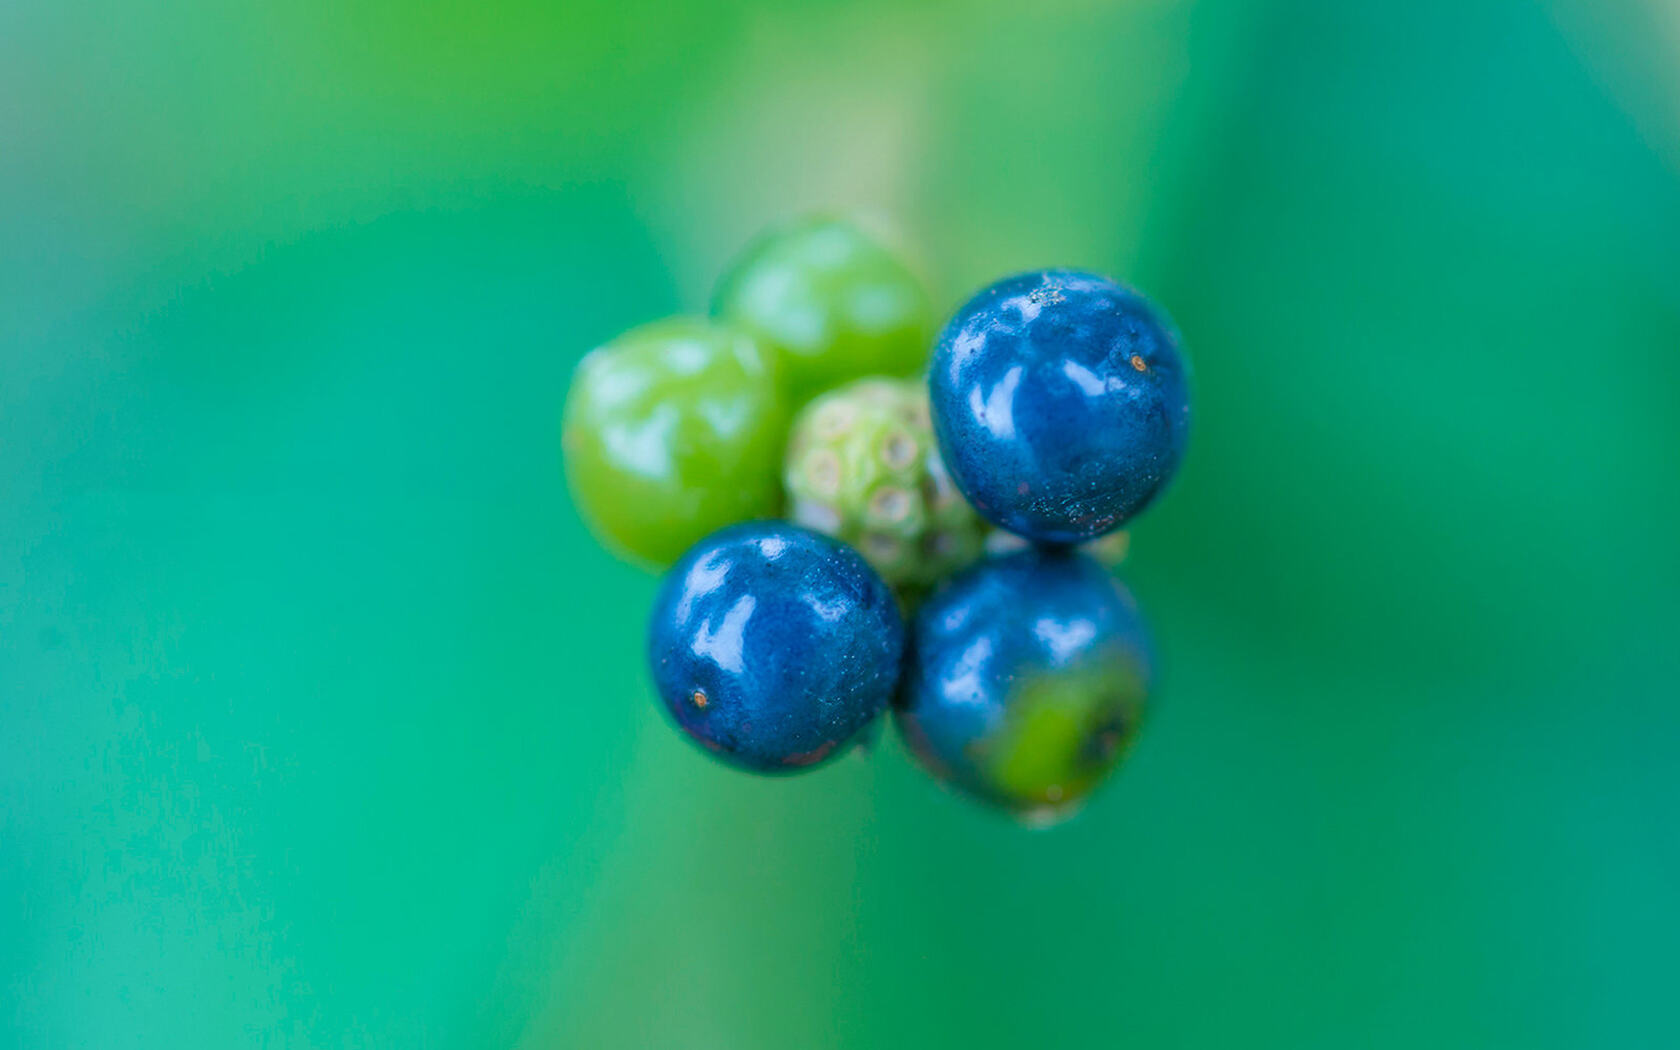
863 466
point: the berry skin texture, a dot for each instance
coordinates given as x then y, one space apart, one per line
832 300
862 466
1061 403
672 430
1026 681
774 647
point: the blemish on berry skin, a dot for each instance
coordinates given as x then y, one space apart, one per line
1139 363
700 699
805 758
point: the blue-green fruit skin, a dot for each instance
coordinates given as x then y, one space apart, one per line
1026 680
1061 403
773 646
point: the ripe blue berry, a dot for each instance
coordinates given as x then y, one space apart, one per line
1060 402
773 646
1026 680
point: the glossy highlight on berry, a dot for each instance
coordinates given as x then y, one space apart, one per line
672 430
1027 681
773 647
833 300
1061 403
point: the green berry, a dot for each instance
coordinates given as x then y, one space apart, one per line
833 301
862 466
673 430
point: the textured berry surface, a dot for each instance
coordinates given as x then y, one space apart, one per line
862 465
671 431
834 301
1026 681
1061 403
773 646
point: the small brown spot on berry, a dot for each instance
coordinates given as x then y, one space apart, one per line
1139 363
700 699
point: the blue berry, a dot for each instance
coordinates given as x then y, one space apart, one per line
773 646
1026 680
1061 403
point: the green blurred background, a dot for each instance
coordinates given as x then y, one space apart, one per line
324 724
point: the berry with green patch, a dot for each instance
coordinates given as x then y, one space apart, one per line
1027 681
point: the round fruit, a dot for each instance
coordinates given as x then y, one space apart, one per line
862 466
774 646
1026 681
1061 403
672 430
834 302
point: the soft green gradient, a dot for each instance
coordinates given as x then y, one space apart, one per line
325 725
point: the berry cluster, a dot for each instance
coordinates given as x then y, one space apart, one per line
809 478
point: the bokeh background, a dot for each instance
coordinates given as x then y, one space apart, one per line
323 723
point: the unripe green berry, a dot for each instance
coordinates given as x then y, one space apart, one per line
832 300
671 431
863 466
